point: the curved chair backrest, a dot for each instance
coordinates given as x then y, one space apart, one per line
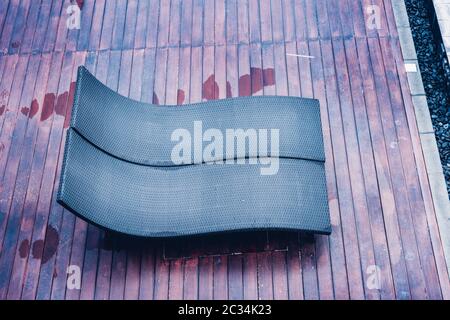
118 170
142 133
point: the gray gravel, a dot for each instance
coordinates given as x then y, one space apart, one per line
436 83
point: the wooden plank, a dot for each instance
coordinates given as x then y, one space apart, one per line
329 99
186 23
3 12
147 272
359 18
250 276
254 21
392 25
365 6
102 284
288 20
159 93
152 24
266 21
118 267
54 27
30 27
219 22
175 23
8 25
235 277
361 218
164 24
398 265
133 269
205 278
162 268
416 280
173 59
119 25
322 19
183 92
309 267
311 13
68 40
141 25
197 23
209 89
191 275
108 25
243 22
96 25
301 27
3 83
176 279
32 160
345 17
49 233
231 22
333 20
265 277
11 114
383 30
149 75
294 269
208 23
15 177
130 24
86 24
347 221
35 255
220 280
41 27
372 195
276 10
6 88
418 217
220 72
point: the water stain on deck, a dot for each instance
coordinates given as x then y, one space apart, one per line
24 248
31 111
210 88
47 106
45 250
248 84
180 96
61 105
155 99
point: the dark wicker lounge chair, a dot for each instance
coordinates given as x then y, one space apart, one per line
119 173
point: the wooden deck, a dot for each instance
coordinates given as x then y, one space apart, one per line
175 52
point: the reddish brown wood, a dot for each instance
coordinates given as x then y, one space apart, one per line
178 52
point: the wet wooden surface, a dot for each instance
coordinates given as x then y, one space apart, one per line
178 52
